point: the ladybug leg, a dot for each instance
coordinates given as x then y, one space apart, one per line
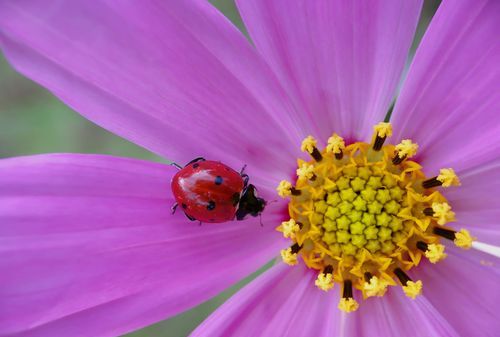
174 208
195 160
190 217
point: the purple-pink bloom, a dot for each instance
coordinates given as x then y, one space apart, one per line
88 244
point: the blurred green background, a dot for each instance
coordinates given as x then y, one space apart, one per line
33 121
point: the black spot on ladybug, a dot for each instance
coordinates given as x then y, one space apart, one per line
196 165
211 205
218 180
184 206
235 198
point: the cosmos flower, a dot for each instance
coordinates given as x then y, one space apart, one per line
89 246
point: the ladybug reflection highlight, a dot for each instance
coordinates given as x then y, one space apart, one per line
210 191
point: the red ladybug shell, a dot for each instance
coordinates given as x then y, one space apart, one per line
208 191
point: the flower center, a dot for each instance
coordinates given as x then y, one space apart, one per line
363 215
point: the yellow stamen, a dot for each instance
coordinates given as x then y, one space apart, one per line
442 212
289 228
376 287
448 177
335 144
359 210
308 144
284 189
406 149
413 289
435 252
324 281
306 171
288 257
383 130
348 304
463 239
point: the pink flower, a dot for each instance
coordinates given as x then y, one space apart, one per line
88 244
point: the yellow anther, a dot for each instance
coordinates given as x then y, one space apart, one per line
284 188
376 287
306 171
435 252
463 239
335 144
448 177
288 257
383 130
413 289
324 281
348 304
406 148
289 228
442 212
308 144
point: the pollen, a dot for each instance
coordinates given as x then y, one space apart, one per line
413 289
442 212
362 215
383 130
348 304
324 281
448 178
335 144
305 172
289 228
309 144
435 252
289 257
375 287
463 239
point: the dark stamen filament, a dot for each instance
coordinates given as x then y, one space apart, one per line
316 155
445 233
432 182
428 211
296 248
368 276
295 191
379 141
347 293
403 278
422 246
397 159
328 269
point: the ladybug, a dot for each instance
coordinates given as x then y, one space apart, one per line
210 191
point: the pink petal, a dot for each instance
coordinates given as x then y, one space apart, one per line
464 289
449 104
281 302
477 202
89 247
396 315
339 60
177 78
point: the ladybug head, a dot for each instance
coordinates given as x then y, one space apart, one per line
250 203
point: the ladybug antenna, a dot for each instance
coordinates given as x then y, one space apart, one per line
242 172
260 219
176 165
